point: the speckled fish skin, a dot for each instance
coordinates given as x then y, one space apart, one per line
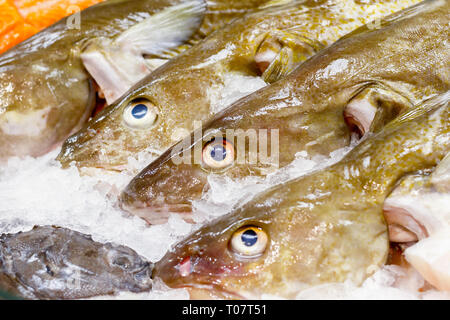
325 227
183 90
58 263
408 58
45 92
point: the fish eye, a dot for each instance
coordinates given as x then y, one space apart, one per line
218 154
249 241
122 262
140 114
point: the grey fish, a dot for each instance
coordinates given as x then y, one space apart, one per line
58 263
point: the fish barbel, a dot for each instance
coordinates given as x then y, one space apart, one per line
324 227
358 84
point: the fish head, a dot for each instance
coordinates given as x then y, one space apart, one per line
126 268
149 118
251 139
120 265
278 247
209 265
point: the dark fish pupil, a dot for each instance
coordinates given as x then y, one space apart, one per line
249 238
218 153
139 111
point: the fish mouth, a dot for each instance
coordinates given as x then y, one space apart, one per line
154 215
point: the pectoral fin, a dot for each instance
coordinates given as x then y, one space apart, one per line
165 30
373 107
116 65
281 52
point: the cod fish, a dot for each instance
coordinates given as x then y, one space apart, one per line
324 227
56 263
256 49
357 85
418 213
46 93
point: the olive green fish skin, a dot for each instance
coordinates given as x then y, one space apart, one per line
182 89
408 58
57 263
45 92
325 227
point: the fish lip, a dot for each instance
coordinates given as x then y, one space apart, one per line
158 214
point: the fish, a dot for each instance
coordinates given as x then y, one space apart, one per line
240 58
351 88
19 20
324 227
49 84
50 262
418 217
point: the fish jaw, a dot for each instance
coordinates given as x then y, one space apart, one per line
162 189
183 274
71 152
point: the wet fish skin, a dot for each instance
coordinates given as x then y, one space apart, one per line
46 94
43 78
307 106
324 227
57 263
183 90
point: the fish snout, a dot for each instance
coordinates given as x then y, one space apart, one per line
199 274
157 193
144 275
76 149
